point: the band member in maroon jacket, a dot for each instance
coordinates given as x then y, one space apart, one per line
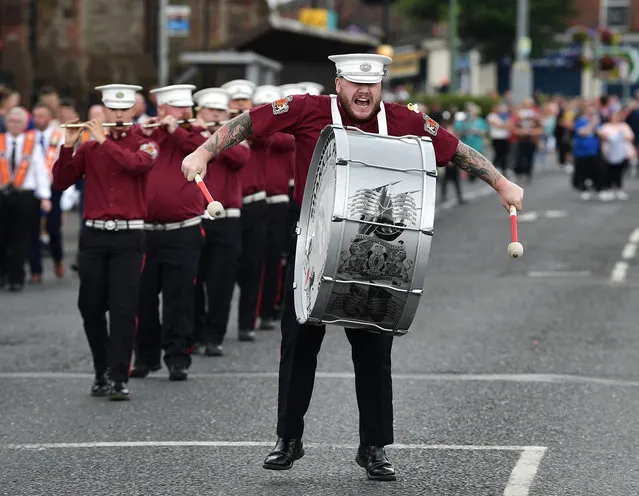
254 217
174 239
115 168
358 102
222 243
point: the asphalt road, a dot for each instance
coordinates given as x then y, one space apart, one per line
520 377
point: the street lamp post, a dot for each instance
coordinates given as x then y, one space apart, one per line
521 76
452 44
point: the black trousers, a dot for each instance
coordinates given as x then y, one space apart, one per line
588 168
54 229
291 222
216 279
170 267
525 157
371 354
451 174
110 266
254 221
277 234
615 174
18 213
501 147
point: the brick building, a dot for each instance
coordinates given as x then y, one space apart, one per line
621 15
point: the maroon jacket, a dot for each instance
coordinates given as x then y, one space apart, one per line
115 175
170 197
280 167
253 172
223 176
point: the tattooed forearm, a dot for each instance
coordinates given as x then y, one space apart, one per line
470 160
230 134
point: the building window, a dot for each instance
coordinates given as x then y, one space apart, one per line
617 17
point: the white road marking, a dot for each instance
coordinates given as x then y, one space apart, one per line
515 378
629 251
634 237
523 474
559 273
528 217
257 444
618 274
555 214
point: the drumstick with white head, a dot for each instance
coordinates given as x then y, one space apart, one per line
214 208
515 248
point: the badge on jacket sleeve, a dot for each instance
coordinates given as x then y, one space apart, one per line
150 148
430 126
281 106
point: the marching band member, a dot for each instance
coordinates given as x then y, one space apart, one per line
222 244
174 240
25 189
112 245
311 88
49 137
277 173
358 102
254 217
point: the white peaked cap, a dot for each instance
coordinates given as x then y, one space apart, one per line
118 96
292 89
266 94
363 68
312 88
176 95
240 89
213 98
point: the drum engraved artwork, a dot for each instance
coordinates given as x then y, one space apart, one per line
365 230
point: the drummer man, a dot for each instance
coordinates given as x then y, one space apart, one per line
112 246
358 103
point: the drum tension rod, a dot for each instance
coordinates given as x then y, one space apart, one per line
338 218
346 161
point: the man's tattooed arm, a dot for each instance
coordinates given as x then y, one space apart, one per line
230 134
470 160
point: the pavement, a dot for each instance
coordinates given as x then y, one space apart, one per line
519 378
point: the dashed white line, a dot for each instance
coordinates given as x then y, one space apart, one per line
523 474
629 251
634 237
559 273
619 272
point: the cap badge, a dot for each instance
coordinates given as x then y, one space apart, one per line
365 67
119 94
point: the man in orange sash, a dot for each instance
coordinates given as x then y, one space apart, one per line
49 137
24 190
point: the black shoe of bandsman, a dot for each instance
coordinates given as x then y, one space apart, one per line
119 392
100 386
267 325
286 451
373 459
246 335
178 373
140 371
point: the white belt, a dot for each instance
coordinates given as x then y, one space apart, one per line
291 182
260 195
114 225
228 214
278 199
171 226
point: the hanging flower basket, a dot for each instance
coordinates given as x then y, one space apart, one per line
606 36
580 63
579 36
607 63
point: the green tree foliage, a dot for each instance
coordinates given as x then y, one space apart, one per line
491 25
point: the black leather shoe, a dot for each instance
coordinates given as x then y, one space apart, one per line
286 451
214 350
141 371
373 459
119 392
246 335
267 325
178 373
100 385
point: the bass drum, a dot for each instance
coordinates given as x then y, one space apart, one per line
365 230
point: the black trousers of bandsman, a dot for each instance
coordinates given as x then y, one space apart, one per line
254 222
110 266
171 269
276 241
216 278
371 354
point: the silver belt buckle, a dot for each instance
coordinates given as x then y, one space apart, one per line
110 225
